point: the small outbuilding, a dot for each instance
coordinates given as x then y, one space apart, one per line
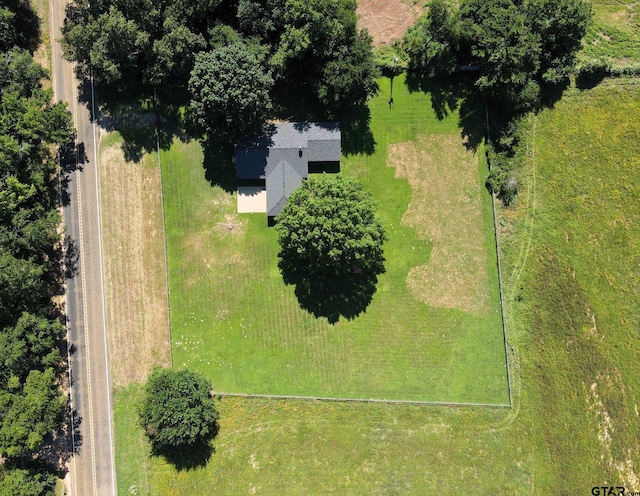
269 167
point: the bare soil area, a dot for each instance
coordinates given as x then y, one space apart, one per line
387 20
446 209
134 264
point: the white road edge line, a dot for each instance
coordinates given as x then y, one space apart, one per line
104 303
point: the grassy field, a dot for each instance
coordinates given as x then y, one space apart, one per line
571 277
615 32
433 330
134 263
573 259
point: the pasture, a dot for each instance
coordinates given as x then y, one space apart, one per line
614 34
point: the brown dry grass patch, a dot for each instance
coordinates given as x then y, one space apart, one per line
446 209
387 20
134 264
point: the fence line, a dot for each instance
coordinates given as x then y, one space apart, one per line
361 400
499 262
164 225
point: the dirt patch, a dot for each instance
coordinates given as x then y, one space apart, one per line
387 20
230 226
134 264
446 209
625 468
201 247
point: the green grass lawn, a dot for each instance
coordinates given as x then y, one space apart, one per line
615 32
421 338
571 260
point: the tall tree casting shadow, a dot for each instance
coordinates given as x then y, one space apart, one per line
219 168
143 122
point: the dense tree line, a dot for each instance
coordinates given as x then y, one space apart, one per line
517 45
521 52
310 51
31 402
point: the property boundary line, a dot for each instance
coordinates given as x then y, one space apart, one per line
499 262
361 400
164 226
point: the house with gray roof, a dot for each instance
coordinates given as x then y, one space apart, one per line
271 166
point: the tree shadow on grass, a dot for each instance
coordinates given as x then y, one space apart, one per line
142 124
187 457
355 126
219 168
456 93
330 296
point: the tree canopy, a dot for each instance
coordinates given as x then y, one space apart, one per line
138 44
24 482
29 412
516 44
230 89
331 246
322 49
178 410
312 48
329 225
31 127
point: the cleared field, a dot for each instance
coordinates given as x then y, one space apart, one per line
134 263
421 338
574 265
387 20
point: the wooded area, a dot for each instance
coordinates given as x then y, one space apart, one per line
519 55
31 263
298 54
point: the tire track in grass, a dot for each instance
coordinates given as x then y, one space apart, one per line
525 248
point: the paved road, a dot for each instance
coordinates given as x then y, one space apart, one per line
92 466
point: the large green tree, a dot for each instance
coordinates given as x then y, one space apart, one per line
322 51
331 246
19 25
230 90
28 412
31 127
23 482
329 225
433 42
516 44
31 344
177 410
134 46
262 18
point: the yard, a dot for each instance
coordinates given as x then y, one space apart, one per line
433 330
